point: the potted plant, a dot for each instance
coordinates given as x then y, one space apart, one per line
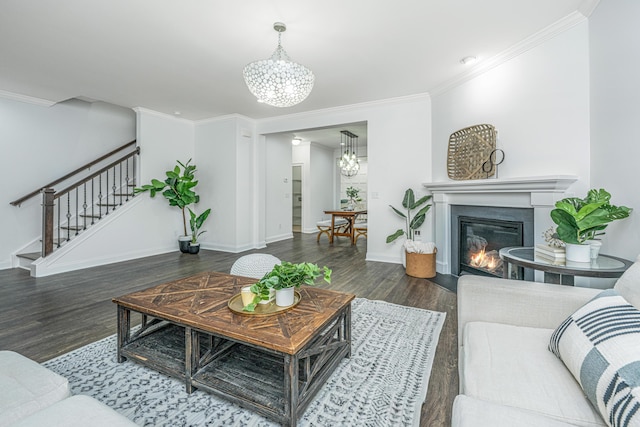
177 188
195 222
419 263
352 194
284 278
581 220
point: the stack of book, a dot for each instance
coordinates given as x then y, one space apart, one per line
551 254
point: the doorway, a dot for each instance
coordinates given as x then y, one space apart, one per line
296 198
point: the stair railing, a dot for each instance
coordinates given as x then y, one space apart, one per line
86 200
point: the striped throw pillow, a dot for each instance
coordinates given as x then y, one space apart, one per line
600 345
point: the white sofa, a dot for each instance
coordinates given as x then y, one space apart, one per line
508 375
33 396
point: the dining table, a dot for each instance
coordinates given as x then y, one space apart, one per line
349 230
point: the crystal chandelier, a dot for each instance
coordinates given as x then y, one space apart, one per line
278 81
348 163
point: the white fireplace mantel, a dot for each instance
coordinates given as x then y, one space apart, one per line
539 193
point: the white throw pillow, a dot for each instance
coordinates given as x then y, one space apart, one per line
600 345
628 285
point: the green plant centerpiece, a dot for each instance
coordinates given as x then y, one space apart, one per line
353 196
287 275
580 220
411 224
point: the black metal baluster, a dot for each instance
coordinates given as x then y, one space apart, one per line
100 196
113 188
126 180
68 216
120 182
59 225
93 202
106 196
84 207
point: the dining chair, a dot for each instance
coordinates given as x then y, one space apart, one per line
325 227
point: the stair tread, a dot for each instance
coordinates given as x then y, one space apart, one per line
30 255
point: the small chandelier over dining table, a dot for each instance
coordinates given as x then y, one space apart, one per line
348 163
278 81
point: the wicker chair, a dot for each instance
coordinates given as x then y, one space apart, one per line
254 265
325 227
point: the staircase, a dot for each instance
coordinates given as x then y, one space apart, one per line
90 193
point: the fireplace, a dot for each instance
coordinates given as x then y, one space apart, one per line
479 232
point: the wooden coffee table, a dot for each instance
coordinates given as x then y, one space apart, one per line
273 365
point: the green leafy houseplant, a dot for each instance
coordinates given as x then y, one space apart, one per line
352 194
195 222
580 220
287 275
177 188
411 224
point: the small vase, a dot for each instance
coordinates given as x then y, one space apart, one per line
194 248
595 248
578 253
284 297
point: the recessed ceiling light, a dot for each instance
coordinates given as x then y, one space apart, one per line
467 60
177 113
296 141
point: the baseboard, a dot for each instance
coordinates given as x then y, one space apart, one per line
280 237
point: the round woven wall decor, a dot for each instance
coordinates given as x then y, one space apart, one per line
468 149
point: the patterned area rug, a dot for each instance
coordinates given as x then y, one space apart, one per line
383 384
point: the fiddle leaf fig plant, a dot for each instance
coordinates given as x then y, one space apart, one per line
580 220
177 188
411 224
287 275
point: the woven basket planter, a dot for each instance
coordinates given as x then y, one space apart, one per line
422 266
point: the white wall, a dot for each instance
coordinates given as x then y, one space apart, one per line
41 144
322 177
615 90
539 103
278 206
396 162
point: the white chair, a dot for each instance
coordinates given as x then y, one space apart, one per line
325 227
254 265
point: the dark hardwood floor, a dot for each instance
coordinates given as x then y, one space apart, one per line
44 317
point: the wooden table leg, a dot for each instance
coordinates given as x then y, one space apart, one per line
192 356
124 330
291 389
333 225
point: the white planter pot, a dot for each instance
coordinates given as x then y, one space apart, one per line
284 297
578 253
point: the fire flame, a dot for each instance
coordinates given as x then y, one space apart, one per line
482 260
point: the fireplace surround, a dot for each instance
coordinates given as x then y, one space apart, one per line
479 232
536 193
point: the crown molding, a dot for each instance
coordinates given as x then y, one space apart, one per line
525 45
588 6
25 98
139 110
348 108
223 118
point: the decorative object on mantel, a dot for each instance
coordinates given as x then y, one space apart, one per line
469 149
582 220
491 165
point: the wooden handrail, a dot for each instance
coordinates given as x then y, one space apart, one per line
93 175
19 201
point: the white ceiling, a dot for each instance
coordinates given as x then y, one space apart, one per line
188 55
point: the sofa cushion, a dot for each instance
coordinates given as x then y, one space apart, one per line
628 285
77 411
510 365
27 387
470 412
600 345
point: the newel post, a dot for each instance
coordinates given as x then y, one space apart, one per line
47 220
